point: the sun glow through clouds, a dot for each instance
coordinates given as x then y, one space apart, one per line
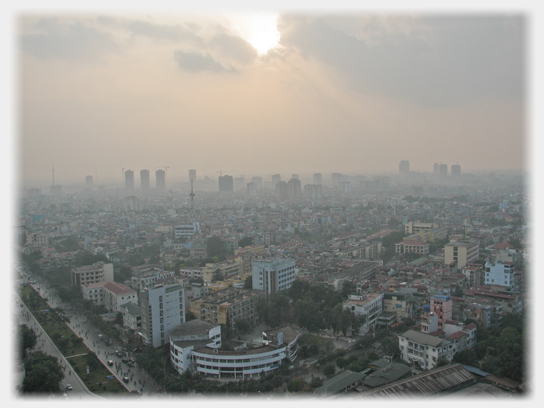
260 30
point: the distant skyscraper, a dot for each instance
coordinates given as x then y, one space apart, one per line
336 178
160 179
192 174
129 180
436 169
258 182
294 189
239 183
313 191
226 184
281 190
275 179
443 170
404 167
89 182
294 176
144 178
252 188
455 170
317 178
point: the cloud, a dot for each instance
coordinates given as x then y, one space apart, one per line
174 33
235 47
195 62
65 40
438 61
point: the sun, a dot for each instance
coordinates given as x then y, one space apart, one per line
260 30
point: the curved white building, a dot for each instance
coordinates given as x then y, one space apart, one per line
205 357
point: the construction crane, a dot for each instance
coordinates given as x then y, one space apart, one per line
221 171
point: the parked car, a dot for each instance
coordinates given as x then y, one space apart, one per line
125 379
110 363
69 387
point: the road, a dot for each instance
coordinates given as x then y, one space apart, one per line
138 379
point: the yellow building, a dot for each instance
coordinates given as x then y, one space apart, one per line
227 306
461 252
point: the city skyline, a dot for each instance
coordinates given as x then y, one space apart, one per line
352 93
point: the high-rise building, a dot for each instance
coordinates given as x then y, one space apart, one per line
258 182
144 178
294 188
252 188
163 309
336 178
192 174
443 170
226 184
273 275
313 191
89 182
275 179
436 168
317 178
129 180
294 176
239 183
455 170
160 179
404 167
281 191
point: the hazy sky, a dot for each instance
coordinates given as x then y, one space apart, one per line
346 92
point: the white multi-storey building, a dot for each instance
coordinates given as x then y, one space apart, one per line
424 349
499 273
110 294
369 305
163 309
198 346
273 275
187 230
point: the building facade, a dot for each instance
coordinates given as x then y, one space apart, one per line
461 252
163 309
499 273
273 275
369 305
424 349
97 272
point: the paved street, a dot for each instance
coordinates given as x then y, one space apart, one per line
138 379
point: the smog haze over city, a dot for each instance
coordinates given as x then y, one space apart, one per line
259 93
272 202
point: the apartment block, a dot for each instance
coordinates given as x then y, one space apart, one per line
369 305
163 309
227 306
97 272
273 275
461 252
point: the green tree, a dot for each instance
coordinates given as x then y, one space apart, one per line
297 385
217 276
316 383
246 241
248 283
214 246
298 289
28 340
329 370
43 374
